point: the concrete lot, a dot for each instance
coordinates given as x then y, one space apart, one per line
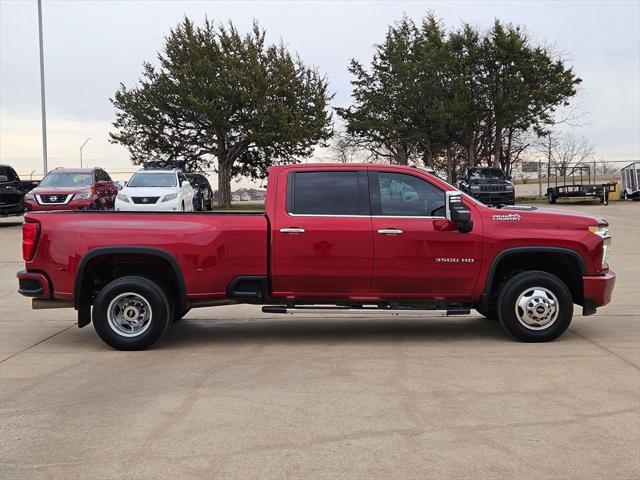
232 393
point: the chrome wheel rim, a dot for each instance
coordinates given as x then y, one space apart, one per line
129 314
537 308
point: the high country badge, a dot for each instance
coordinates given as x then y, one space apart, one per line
510 217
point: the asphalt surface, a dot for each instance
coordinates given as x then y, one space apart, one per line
233 393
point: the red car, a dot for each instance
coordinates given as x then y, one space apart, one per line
363 238
73 189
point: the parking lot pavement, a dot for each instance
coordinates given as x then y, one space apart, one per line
232 393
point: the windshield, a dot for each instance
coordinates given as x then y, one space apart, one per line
67 179
147 179
486 174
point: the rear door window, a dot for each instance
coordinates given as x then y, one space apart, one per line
328 193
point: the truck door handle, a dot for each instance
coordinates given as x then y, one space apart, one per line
390 231
293 230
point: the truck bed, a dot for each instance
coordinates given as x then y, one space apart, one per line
212 248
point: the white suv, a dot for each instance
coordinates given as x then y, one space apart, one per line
156 190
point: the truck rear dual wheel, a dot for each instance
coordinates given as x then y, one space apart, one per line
131 313
535 306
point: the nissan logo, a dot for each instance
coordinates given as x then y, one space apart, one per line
53 198
145 200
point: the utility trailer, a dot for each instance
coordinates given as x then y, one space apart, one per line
576 182
630 181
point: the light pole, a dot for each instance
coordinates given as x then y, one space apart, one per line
44 111
81 147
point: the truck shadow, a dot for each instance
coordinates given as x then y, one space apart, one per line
342 330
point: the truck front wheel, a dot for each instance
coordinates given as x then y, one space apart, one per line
535 306
131 313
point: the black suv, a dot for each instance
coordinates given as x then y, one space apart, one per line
489 185
202 195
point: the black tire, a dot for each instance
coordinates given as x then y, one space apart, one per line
625 195
523 284
116 291
551 198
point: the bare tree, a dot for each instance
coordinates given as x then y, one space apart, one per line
515 143
566 151
606 169
344 148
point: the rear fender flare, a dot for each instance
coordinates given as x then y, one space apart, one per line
157 252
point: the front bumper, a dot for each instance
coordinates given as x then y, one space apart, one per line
597 290
170 206
495 198
34 206
11 209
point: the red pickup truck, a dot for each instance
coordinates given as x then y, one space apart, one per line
369 238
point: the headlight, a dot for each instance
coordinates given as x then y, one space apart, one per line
82 196
123 198
510 188
29 196
171 196
603 232
475 187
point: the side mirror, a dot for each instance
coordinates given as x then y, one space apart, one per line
187 183
457 212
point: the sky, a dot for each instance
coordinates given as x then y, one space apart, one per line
90 47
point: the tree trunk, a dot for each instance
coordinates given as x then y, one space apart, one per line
428 158
471 152
224 184
497 147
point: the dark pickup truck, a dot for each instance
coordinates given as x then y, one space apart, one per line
12 191
365 238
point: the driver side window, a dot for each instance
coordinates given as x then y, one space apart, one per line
406 195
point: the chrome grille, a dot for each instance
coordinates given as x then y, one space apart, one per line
492 188
53 198
145 200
